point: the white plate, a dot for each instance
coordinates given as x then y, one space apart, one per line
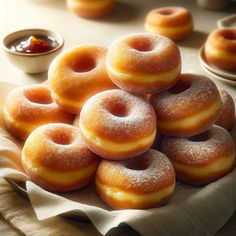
222 73
228 21
218 77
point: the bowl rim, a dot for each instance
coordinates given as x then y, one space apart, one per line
44 32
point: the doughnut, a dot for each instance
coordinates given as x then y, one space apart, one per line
142 182
31 106
143 63
117 125
220 48
202 158
227 113
174 23
91 8
187 108
56 158
77 74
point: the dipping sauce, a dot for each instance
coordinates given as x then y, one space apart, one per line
34 44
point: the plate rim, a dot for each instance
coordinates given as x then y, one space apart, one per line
217 77
219 72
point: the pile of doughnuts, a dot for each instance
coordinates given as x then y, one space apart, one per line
102 110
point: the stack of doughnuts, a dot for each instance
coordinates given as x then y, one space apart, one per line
123 100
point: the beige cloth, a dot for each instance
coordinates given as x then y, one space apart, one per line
192 210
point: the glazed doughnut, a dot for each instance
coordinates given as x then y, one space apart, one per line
77 74
28 107
172 22
187 108
91 8
117 125
203 158
220 48
56 158
141 182
143 63
227 113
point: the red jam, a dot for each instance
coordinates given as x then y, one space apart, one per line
34 44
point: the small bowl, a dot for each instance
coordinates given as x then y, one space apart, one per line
32 62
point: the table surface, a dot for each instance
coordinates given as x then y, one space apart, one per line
127 18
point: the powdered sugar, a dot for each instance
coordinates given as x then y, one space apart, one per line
158 169
218 144
136 114
201 90
58 156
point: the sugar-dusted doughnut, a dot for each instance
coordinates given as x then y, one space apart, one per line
77 74
143 63
141 182
187 108
203 158
227 113
56 158
91 8
30 106
117 125
220 48
173 22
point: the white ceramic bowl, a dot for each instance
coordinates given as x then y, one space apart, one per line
32 62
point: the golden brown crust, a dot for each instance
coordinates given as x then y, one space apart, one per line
143 63
227 114
146 174
188 95
129 204
143 53
173 22
58 187
121 174
72 73
220 48
60 149
33 106
62 143
99 116
169 17
202 180
224 39
117 118
91 12
201 152
117 154
191 95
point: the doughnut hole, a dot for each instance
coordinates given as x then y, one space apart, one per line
61 136
82 64
166 12
202 137
39 96
117 109
228 35
141 44
180 86
137 164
